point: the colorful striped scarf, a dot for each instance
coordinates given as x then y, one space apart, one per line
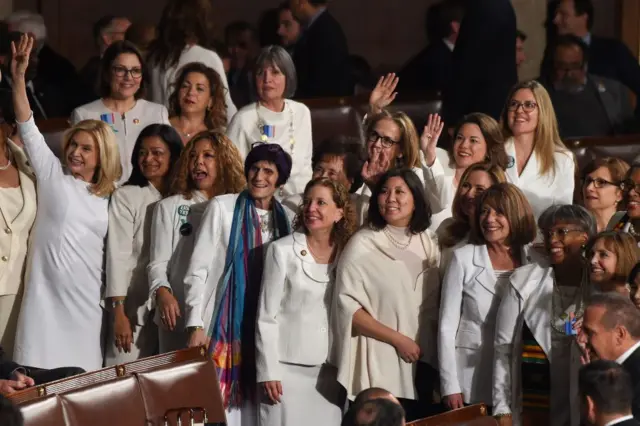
536 374
232 331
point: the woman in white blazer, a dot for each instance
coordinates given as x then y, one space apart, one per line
132 334
18 208
476 278
122 85
537 357
292 335
387 297
209 166
275 118
185 35
222 282
612 256
541 165
603 190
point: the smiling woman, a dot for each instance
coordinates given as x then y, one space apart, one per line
612 256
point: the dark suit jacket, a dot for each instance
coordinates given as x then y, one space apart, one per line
54 70
428 71
89 75
630 422
484 61
321 57
632 365
6 367
52 98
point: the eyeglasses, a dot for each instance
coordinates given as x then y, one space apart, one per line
629 185
527 106
122 71
560 233
386 141
597 182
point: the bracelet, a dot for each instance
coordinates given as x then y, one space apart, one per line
116 303
194 328
497 416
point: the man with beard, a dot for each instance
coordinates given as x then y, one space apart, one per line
585 104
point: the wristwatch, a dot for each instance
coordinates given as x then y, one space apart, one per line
116 303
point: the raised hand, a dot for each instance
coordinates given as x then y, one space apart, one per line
20 56
384 93
430 136
375 167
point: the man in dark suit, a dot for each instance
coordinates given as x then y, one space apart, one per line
321 55
607 57
484 61
611 331
605 394
430 70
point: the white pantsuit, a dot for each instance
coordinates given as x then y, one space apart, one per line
292 336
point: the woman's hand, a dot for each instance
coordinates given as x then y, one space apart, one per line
375 167
197 338
505 421
168 308
20 56
407 348
384 93
273 389
430 136
122 331
453 401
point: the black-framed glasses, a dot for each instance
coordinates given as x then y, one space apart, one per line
597 182
628 185
121 71
561 233
386 141
527 106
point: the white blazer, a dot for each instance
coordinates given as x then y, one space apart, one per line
528 300
293 308
543 191
468 308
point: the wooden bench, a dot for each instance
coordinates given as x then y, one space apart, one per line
475 415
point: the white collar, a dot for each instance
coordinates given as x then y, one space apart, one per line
622 358
448 43
619 420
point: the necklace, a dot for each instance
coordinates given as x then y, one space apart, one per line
400 245
578 303
265 221
319 259
267 131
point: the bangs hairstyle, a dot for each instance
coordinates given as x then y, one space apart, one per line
617 167
624 246
349 149
116 49
492 135
109 169
572 214
461 224
229 174
508 200
343 229
409 140
271 153
421 217
215 117
171 139
278 57
547 136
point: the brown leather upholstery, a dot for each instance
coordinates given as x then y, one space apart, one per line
462 416
587 149
43 412
332 117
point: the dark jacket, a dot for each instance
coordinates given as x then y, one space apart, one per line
632 365
429 71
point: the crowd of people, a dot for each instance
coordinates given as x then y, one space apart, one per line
388 272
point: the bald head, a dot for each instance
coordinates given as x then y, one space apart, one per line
375 393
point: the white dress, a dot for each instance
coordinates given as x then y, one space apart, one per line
61 318
127 259
292 123
127 126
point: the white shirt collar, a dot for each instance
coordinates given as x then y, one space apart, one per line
448 43
619 420
622 358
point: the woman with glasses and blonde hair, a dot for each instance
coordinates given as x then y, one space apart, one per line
612 256
602 190
539 163
61 319
121 106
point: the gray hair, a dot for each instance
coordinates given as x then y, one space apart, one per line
568 213
28 22
279 57
619 310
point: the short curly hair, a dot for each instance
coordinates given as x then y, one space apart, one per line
343 229
229 174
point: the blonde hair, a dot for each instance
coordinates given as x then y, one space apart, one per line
547 136
409 140
109 169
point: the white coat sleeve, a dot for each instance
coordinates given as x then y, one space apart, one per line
434 186
236 134
508 317
199 269
76 117
120 260
267 330
44 162
307 170
164 115
450 311
160 248
565 178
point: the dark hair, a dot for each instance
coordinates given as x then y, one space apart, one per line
182 21
272 153
570 40
169 136
317 3
492 135
608 384
238 27
521 35
350 149
619 311
137 33
376 412
439 17
585 6
633 273
421 217
366 395
100 25
113 51
216 117
9 414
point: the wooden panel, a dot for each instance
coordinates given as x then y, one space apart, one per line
630 25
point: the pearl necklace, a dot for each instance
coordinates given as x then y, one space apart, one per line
399 245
